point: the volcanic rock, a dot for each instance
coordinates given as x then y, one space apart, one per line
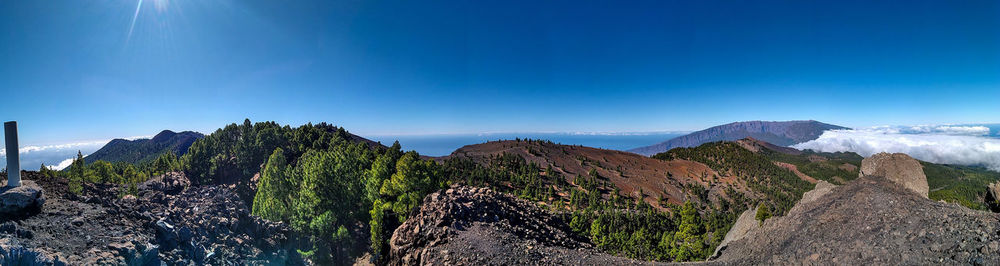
199 225
871 220
21 201
477 226
13 254
993 196
740 229
747 221
170 183
897 167
822 188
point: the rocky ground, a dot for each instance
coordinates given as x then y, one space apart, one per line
871 220
168 222
477 226
874 219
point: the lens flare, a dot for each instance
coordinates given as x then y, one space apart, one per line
132 25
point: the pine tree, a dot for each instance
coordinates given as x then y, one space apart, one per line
763 213
77 174
103 172
166 162
274 190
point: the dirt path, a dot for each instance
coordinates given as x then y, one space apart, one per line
795 169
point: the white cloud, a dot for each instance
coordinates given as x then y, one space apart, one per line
29 149
53 155
963 145
74 146
62 165
34 155
949 130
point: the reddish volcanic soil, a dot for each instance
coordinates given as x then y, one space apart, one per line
628 171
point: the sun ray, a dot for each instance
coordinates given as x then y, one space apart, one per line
132 25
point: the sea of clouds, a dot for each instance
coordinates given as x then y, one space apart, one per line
945 144
55 156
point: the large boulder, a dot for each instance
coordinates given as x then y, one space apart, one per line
897 167
21 201
993 196
169 183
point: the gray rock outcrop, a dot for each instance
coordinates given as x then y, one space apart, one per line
21 201
747 222
740 229
899 168
822 188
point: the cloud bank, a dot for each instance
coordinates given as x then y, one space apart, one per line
62 165
965 145
947 130
54 156
30 149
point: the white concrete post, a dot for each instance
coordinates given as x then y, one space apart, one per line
13 162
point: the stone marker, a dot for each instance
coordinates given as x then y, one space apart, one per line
13 162
17 200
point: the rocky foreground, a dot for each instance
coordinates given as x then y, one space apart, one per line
871 220
883 217
477 226
168 222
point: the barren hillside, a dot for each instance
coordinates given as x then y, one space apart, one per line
628 171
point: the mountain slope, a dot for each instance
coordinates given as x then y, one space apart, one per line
631 173
784 133
145 150
727 175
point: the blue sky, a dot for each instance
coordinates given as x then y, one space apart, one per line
82 70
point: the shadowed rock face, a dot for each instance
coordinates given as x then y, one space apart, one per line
899 168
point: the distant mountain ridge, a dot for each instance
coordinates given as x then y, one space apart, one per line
782 133
144 150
